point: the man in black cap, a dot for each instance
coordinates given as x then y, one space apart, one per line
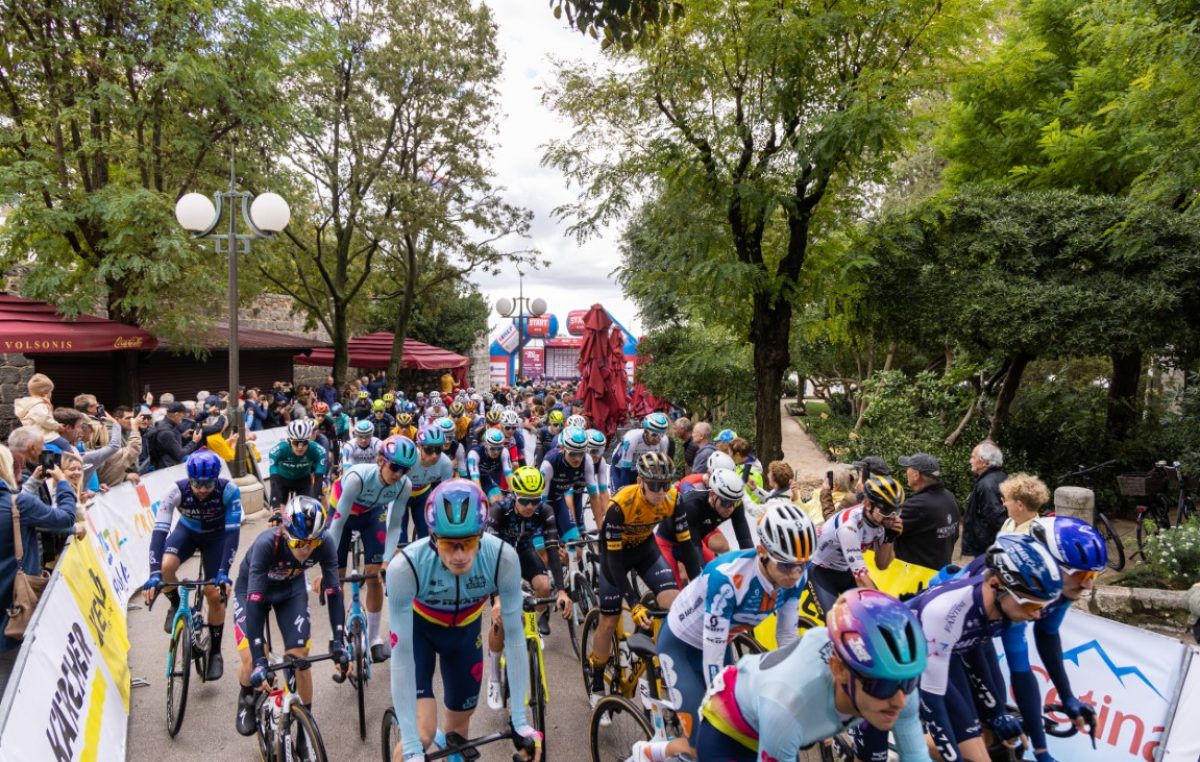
930 515
166 442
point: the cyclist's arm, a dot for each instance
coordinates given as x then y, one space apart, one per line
506 462
278 453
621 457
933 697
318 454
460 460
909 733
473 466
233 524
982 662
162 526
612 533
551 539
508 585
685 549
547 469
530 443
741 529
787 619
333 588
1049 647
256 592
351 488
1025 688
851 544
395 520
719 604
589 476
401 590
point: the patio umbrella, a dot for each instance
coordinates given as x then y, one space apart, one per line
619 381
595 370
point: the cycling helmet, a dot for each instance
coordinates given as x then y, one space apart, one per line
431 436
1074 543
527 481
399 450
488 397
363 428
596 439
555 418
404 419
884 492
435 395
336 408
656 423
304 518
457 409
389 397
655 466
446 425
320 408
577 420
725 436
510 418
300 429
378 406
203 465
786 531
720 460
493 438
456 508
410 407
493 416
727 485
1024 566
362 394
573 439
420 395
400 393
876 635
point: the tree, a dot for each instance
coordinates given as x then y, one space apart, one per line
453 316
771 115
617 21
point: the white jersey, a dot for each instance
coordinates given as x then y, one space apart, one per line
843 539
353 455
633 446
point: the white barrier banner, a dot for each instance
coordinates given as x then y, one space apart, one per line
1130 676
266 440
1183 739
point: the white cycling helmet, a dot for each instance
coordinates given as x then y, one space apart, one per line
727 485
720 461
577 420
509 417
300 429
786 531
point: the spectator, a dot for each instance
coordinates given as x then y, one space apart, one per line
375 385
164 401
702 437
26 445
36 409
683 432
299 408
780 482
871 464
95 435
748 466
930 515
836 496
985 508
256 414
123 465
1024 496
144 422
278 414
446 383
327 392
724 439
74 427
166 441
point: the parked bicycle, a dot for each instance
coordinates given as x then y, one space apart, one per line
189 644
1155 514
1100 520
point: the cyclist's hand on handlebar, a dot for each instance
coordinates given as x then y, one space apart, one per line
564 603
1007 727
316 583
531 741
641 616
260 675
151 588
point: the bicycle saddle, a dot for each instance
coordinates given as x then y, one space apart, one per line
641 644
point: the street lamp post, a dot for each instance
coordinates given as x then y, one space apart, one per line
536 307
265 215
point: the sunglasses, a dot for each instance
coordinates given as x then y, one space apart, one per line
462 544
203 483
573 455
510 428
298 442
432 449
528 500
297 544
1082 576
594 451
655 486
787 567
1028 605
493 451
882 688
397 468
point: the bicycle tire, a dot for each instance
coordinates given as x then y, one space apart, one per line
389 733
360 682
579 609
200 644
628 725
611 668
537 691
744 643
179 653
303 722
1116 548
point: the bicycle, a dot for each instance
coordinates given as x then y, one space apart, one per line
581 586
455 743
356 635
627 723
1100 519
279 712
538 692
1157 514
189 643
624 671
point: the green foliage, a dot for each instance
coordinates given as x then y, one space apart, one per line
1173 555
452 316
617 21
704 370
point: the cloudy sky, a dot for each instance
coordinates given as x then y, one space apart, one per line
578 276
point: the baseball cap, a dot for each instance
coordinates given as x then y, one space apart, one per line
923 463
214 401
726 436
874 464
176 407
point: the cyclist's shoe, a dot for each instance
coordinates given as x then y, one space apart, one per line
605 720
245 713
216 667
170 620
379 652
544 622
495 696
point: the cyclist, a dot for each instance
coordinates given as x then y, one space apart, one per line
520 447
564 469
651 437
462 420
364 448
380 419
433 467
325 434
455 450
272 577
371 499
362 405
488 464
548 432
518 519
405 427
389 404
706 510
873 525
298 464
864 663
210 517
626 546
731 595
341 421
960 617
598 502
446 579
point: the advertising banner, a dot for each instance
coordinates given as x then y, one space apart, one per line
540 327
509 340
1183 734
531 362
499 371
575 322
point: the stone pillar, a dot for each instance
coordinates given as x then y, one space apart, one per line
1076 502
253 499
15 372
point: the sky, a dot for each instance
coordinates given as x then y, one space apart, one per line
578 275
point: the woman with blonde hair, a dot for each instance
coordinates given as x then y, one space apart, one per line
1024 496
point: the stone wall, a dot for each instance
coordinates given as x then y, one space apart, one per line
15 372
481 364
273 312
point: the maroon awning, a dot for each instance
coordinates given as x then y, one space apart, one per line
30 326
375 350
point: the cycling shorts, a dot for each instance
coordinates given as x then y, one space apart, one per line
291 614
667 549
416 509
372 527
282 488
649 565
183 542
827 584
683 672
960 706
460 651
531 563
714 746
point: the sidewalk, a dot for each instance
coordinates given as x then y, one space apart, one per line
800 451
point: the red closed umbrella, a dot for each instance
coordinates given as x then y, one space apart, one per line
618 381
596 372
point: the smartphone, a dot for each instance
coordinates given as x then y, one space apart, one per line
49 460
99 411
829 478
145 390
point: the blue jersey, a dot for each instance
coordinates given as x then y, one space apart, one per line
564 479
417 581
221 511
480 464
424 477
361 490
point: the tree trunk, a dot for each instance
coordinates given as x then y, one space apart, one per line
396 361
1008 392
340 336
770 329
1122 394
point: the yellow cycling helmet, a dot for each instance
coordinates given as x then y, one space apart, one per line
527 481
555 418
404 419
389 397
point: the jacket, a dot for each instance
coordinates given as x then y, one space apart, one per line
700 461
125 461
36 411
35 515
985 512
931 517
166 445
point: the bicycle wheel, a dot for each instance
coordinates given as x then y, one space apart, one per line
1151 523
389 734
200 645
1116 548
611 668
745 643
627 725
359 639
179 670
580 605
302 735
537 691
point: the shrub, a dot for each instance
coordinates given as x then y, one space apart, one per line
1173 555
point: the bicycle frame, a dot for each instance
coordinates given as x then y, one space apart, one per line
278 701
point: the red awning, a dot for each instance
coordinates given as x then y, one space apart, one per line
28 326
375 349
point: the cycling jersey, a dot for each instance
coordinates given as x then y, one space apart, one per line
287 464
490 472
421 583
213 523
353 454
409 432
462 427
520 531
844 537
775 704
628 524
520 449
601 469
633 446
703 520
361 491
457 452
564 479
383 424
424 477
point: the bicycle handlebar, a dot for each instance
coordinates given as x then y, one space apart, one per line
288 661
196 583
530 603
357 578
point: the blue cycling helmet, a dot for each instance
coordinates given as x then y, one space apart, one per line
336 408
446 425
304 518
876 635
1024 566
399 450
725 436
431 436
203 465
363 428
1074 543
493 438
573 439
456 508
596 439
656 423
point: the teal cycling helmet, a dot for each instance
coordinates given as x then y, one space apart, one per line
725 436
877 637
456 508
431 436
399 450
493 438
573 440
445 425
596 439
656 423
363 428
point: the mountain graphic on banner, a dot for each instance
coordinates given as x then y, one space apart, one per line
1118 672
